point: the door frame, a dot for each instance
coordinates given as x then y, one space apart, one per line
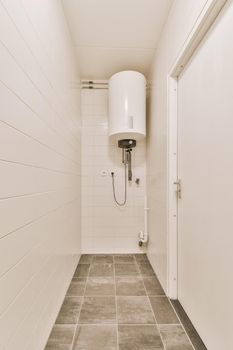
206 18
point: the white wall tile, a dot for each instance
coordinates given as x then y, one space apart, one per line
40 188
103 222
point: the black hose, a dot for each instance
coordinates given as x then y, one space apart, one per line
113 188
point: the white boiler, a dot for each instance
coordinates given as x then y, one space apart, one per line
127 105
127 119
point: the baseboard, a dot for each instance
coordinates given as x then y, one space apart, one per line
188 326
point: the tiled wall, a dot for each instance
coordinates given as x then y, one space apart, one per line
107 228
40 169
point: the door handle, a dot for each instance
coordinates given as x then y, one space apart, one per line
178 190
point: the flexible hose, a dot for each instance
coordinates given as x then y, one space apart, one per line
113 188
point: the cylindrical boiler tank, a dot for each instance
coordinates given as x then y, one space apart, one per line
127 106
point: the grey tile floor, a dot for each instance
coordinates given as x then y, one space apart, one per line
115 302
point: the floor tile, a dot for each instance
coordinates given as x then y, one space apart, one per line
141 258
98 310
76 287
126 270
124 259
82 270
174 338
69 311
61 337
103 259
163 310
134 310
130 286
100 286
96 338
51 346
139 338
101 269
146 269
152 285
132 278
86 259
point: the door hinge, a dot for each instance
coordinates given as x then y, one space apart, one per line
178 190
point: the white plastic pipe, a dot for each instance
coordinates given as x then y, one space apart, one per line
146 217
143 235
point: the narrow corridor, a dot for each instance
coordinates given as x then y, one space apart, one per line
116 302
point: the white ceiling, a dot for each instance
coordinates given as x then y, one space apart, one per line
114 35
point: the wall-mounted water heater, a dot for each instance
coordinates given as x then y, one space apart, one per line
127 116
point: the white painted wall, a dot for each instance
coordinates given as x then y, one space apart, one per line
40 169
182 17
107 228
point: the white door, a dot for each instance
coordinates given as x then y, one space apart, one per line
205 167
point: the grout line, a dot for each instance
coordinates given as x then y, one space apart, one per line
38 141
121 324
92 324
95 296
43 71
116 324
161 337
157 295
110 295
37 115
72 343
117 333
28 282
156 322
141 276
168 324
31 308
115 48
120 276
38 218
32 194
38 89
39 167
76 327
149 302
173 324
